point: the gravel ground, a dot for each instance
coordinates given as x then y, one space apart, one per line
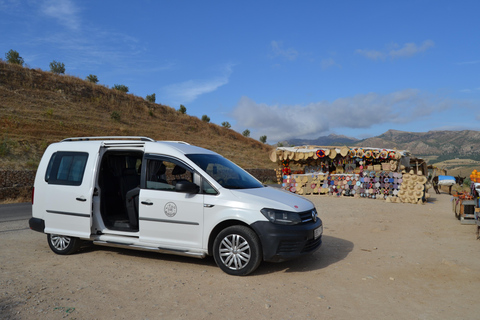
378 261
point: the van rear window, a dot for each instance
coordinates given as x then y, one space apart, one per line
66 168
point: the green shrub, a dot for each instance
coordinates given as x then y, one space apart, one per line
92 78
121 87
246 133
150 98
226 124
57 67
5 147
115 115
182 109
49 112
263 139
13 57
205 118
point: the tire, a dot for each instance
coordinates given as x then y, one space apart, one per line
63 244
237 250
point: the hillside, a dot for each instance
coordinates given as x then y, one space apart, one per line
443 145
434 146
38 108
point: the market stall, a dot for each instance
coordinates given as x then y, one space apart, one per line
385 174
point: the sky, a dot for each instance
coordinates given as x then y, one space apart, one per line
283 69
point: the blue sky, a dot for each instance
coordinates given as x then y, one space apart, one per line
284 69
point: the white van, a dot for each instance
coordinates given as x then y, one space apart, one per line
169 197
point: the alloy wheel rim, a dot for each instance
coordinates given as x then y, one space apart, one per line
235 252
60 242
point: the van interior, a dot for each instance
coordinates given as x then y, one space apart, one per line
119 183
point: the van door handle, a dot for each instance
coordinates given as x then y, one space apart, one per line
81 199
147 203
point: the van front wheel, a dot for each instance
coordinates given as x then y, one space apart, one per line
237 250
63 244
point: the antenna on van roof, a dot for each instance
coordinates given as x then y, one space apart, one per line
110 138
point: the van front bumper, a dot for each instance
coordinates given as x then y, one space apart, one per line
284 242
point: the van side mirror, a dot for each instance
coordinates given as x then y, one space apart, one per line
186 187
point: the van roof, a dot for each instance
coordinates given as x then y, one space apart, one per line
179 146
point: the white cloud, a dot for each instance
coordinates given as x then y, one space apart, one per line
371 54
411 49
278 51
357 112
327 63
469 62
190 90
64 11
408 50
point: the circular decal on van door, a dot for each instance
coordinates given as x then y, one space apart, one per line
170 209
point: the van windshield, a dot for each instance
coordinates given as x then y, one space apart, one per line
225 172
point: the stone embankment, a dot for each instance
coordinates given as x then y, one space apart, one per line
16 184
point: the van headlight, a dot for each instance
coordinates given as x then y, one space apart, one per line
281 216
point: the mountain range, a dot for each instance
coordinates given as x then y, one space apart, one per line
443 145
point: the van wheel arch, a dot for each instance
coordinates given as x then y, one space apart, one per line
237 250
63 244
218 228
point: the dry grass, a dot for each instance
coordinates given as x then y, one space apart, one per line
38 108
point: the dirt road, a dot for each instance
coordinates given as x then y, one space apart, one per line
378 261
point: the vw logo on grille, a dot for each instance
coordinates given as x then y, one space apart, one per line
314 216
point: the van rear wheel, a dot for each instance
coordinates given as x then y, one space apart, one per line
237 250
63 244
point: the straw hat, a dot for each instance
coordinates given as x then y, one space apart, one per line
352 153
273 156
333 153
418 194
360 153
422 179
383 154
320 153
344 151
368 154
419 187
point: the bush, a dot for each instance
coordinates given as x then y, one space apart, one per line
57 67
151 98
115 115
121 87
92 78
226 124
205 118
13 57
182 109
263 139
246 133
